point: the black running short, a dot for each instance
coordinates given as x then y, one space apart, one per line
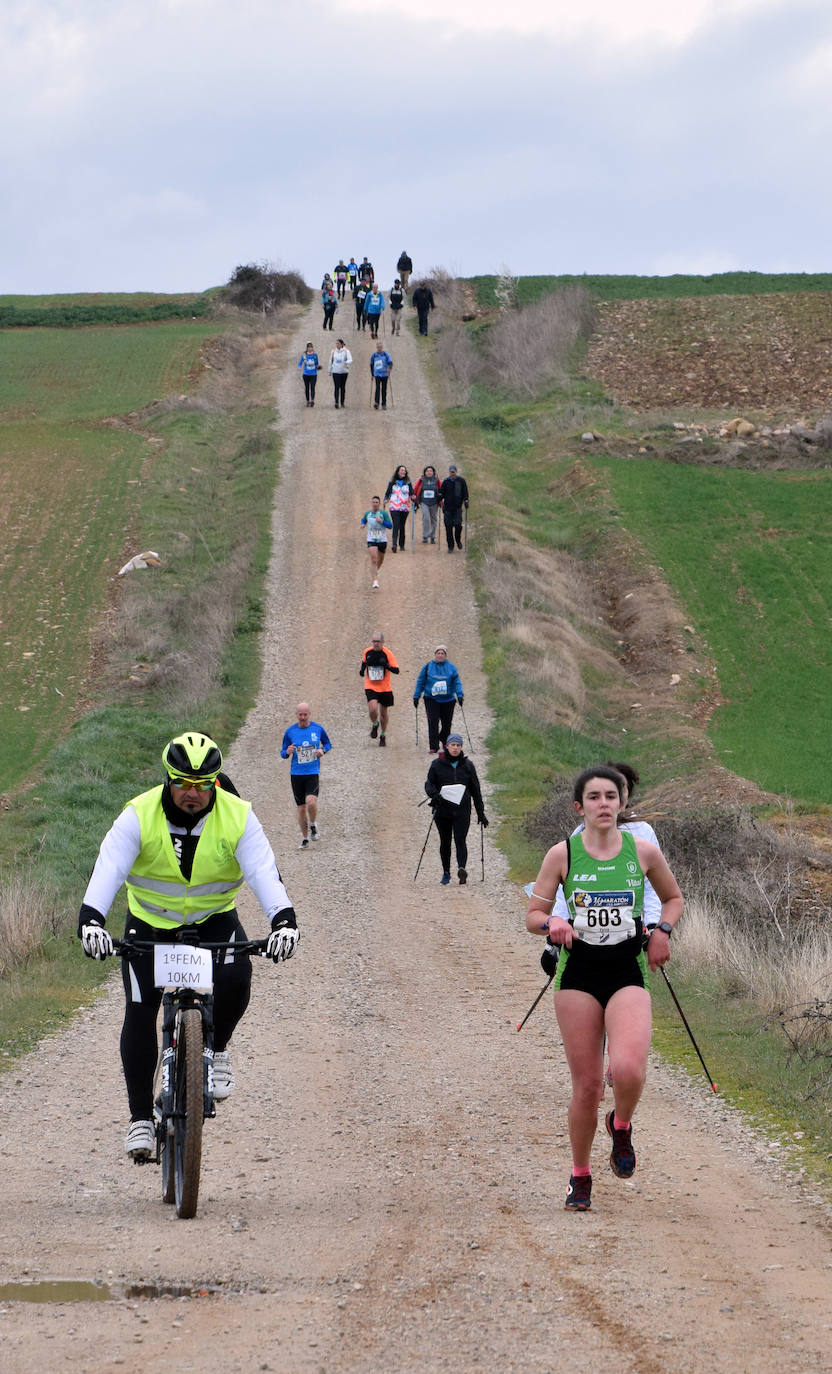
383 698
601 979
305 785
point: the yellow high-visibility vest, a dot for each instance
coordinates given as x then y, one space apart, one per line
156 890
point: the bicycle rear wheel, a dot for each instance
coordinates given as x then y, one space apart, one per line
188 1106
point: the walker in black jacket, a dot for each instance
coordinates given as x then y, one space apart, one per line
453 818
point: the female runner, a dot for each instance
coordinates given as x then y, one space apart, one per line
601 981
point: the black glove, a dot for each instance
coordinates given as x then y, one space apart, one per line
460 700
416 702
483 820
549 959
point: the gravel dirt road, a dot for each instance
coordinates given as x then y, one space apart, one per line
384 1191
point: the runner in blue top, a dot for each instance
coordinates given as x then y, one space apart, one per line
306 743
310 367
373 307
381 365
440 684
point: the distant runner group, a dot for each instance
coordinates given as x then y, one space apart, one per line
369 306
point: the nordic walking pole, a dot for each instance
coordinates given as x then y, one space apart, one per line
467 731
482 850
417 729
542 993
412 524
465 536
424 847
390 384
714 1088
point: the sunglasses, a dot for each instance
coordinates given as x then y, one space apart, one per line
193 784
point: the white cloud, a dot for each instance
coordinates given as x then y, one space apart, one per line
158 144
613 21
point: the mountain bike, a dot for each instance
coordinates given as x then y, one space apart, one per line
184 1089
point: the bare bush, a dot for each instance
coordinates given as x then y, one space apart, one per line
784 975
505 290
528 350
458 364
29 914
452 297
263 288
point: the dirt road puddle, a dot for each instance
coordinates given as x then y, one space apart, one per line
75 1290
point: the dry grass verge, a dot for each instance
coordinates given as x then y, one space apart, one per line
29 913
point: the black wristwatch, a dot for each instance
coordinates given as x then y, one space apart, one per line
665 926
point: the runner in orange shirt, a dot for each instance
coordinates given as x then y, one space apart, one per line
377 663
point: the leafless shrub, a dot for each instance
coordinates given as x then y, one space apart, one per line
29 914
505 290
785 976
457 364
808 1029
452 297
262 287
528 350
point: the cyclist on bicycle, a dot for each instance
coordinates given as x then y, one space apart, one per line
183 849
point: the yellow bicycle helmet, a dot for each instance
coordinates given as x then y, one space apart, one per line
192 755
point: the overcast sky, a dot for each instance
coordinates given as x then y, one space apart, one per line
156 145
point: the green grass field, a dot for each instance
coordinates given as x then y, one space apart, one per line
749 556
621 288
68 492
91 308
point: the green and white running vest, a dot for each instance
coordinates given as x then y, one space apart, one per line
605 897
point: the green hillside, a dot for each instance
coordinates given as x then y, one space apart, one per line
620 288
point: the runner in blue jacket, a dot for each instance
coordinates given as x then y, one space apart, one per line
305 744
381 365
310 367
373 307
440 684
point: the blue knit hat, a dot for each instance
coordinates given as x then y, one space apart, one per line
454 739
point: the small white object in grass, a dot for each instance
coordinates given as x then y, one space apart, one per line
148 559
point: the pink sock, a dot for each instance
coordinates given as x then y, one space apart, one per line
618 1124
579 1172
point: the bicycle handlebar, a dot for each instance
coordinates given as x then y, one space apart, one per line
125 948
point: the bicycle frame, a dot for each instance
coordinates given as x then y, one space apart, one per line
178 1127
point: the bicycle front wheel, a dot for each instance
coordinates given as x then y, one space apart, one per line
188 1106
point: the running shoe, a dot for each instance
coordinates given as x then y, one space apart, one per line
375 584
579 1194
223 1076
462 874
314 832
382 739
374 730
141 1141
445 879
304 844
623 1156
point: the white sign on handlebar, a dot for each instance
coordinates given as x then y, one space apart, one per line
183 966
